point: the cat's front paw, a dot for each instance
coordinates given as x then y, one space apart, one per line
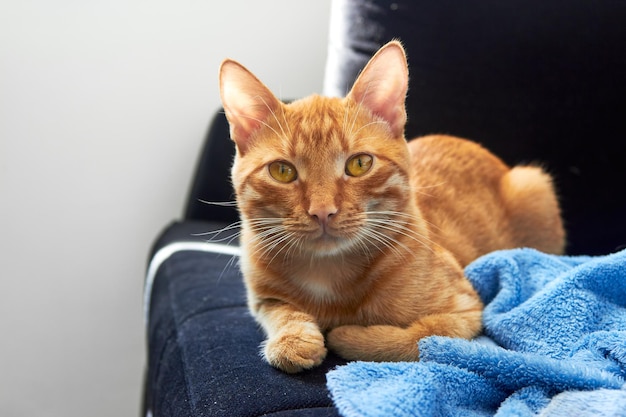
294 351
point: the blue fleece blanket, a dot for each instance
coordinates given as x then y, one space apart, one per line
554 345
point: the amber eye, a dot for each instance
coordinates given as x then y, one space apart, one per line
283 171
359 164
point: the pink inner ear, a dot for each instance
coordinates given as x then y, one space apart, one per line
247 102
382 86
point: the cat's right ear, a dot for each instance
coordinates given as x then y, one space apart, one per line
247 102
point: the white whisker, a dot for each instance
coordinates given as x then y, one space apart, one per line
228 265
399 223
417 219
401 229
424 187
286 122
345 122
375 122
385 241
284 136
219 203
261 122
433 186
278 242
232 226
359 106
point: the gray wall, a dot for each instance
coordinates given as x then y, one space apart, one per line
103 107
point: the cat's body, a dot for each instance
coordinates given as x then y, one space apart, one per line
348 231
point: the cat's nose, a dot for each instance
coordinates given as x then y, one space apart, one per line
322 214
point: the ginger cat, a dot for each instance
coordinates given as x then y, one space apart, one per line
355 240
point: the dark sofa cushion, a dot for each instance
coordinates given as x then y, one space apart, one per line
204 345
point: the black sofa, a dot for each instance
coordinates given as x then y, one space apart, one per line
534 81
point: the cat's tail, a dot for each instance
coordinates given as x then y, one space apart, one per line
531 202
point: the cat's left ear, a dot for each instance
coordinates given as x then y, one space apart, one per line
247 102
382 86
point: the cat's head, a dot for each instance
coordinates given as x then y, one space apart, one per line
321 175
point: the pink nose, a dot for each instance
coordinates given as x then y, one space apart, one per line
322 214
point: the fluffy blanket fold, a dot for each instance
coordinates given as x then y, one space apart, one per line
555 345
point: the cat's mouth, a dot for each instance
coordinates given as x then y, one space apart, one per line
328 231
324 235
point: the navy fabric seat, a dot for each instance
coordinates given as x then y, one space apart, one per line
204 345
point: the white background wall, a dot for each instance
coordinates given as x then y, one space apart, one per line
103 107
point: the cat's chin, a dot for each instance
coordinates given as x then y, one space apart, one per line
327 245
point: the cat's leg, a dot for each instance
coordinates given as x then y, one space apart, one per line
384 343
294 340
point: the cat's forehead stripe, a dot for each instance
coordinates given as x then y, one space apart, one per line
319 128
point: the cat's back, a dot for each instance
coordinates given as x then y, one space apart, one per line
475 204
449 173
443 157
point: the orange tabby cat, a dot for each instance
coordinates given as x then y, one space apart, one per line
349 232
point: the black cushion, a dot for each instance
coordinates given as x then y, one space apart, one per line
203 344
211 181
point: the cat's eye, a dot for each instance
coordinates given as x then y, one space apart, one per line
283 171
359 164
